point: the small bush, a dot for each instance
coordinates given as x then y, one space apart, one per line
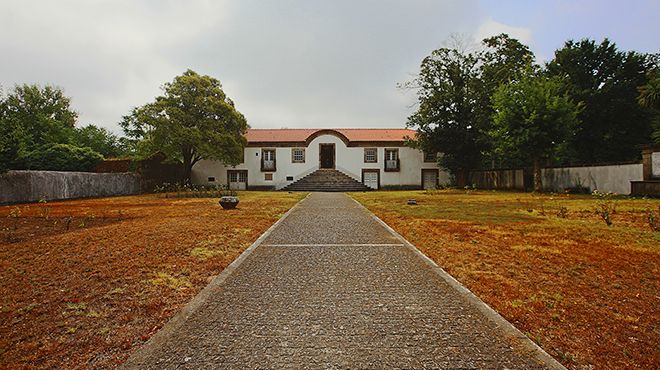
61 157
605 206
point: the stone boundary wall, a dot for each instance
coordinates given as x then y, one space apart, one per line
612 178
32 186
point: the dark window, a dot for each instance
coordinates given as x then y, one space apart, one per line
211 179
289 178
392 160
268 160
370 155
430 157
297 155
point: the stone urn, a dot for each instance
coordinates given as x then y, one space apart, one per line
229 202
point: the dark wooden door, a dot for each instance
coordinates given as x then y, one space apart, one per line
327 154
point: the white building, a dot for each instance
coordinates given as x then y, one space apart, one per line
278 158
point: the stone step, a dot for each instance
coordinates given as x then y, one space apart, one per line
327 180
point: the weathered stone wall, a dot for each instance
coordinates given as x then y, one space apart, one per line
498 179
31 186
612 178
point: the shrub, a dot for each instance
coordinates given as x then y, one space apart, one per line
61 157
605 206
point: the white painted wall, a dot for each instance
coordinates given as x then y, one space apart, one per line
614 178
349 160
655 164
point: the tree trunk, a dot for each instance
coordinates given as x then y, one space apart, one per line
538 185
187 172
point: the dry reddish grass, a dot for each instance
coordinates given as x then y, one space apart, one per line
87 296
587 293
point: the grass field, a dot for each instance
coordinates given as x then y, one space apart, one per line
86 281
586 292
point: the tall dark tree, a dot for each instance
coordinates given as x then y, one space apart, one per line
605 79
454 94
191 121
503 60
533 117
448 114
649 97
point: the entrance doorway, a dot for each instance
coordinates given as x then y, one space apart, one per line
327 155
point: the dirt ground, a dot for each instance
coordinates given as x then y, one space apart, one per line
85 282
586 292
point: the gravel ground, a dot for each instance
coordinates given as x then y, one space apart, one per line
331 306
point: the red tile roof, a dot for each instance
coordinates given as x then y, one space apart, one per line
352 134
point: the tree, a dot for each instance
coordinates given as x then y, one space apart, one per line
533 116
38 116
61 157
649 97
99 139
503 60
8 141
454 95
191 121
448 113
606 81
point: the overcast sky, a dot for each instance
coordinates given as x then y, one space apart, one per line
286 63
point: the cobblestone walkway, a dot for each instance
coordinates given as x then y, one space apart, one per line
331 287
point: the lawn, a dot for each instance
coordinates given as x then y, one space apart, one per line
85 282
586 292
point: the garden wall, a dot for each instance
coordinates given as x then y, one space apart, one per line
31 186
614 178
611 178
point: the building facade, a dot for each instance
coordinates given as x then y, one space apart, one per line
277 158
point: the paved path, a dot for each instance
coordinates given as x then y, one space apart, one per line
330 286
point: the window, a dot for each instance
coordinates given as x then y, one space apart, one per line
370 155
289 178
297 155
392 160
268 177
268 160
430 157
211 179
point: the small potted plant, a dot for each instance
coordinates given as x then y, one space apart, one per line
228 198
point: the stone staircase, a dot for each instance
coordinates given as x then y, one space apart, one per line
328 180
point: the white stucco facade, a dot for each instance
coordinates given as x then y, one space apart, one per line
349 158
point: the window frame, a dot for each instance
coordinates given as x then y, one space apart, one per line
433 160
375 160
293 156
386 160
263 160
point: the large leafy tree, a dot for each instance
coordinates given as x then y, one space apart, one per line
533 117
448 114
605 79
191 121
503 60
454 90
98 139
39 115
649 97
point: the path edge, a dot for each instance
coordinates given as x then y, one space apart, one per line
180 318
508 328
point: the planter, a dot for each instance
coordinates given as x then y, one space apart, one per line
229 202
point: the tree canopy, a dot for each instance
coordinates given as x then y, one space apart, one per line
606 81
533 117
192 120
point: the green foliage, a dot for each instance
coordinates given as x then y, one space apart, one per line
61 157
448 88
38 115
454 90
606 80
649 97
191 121
533 117
100 140
605 206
